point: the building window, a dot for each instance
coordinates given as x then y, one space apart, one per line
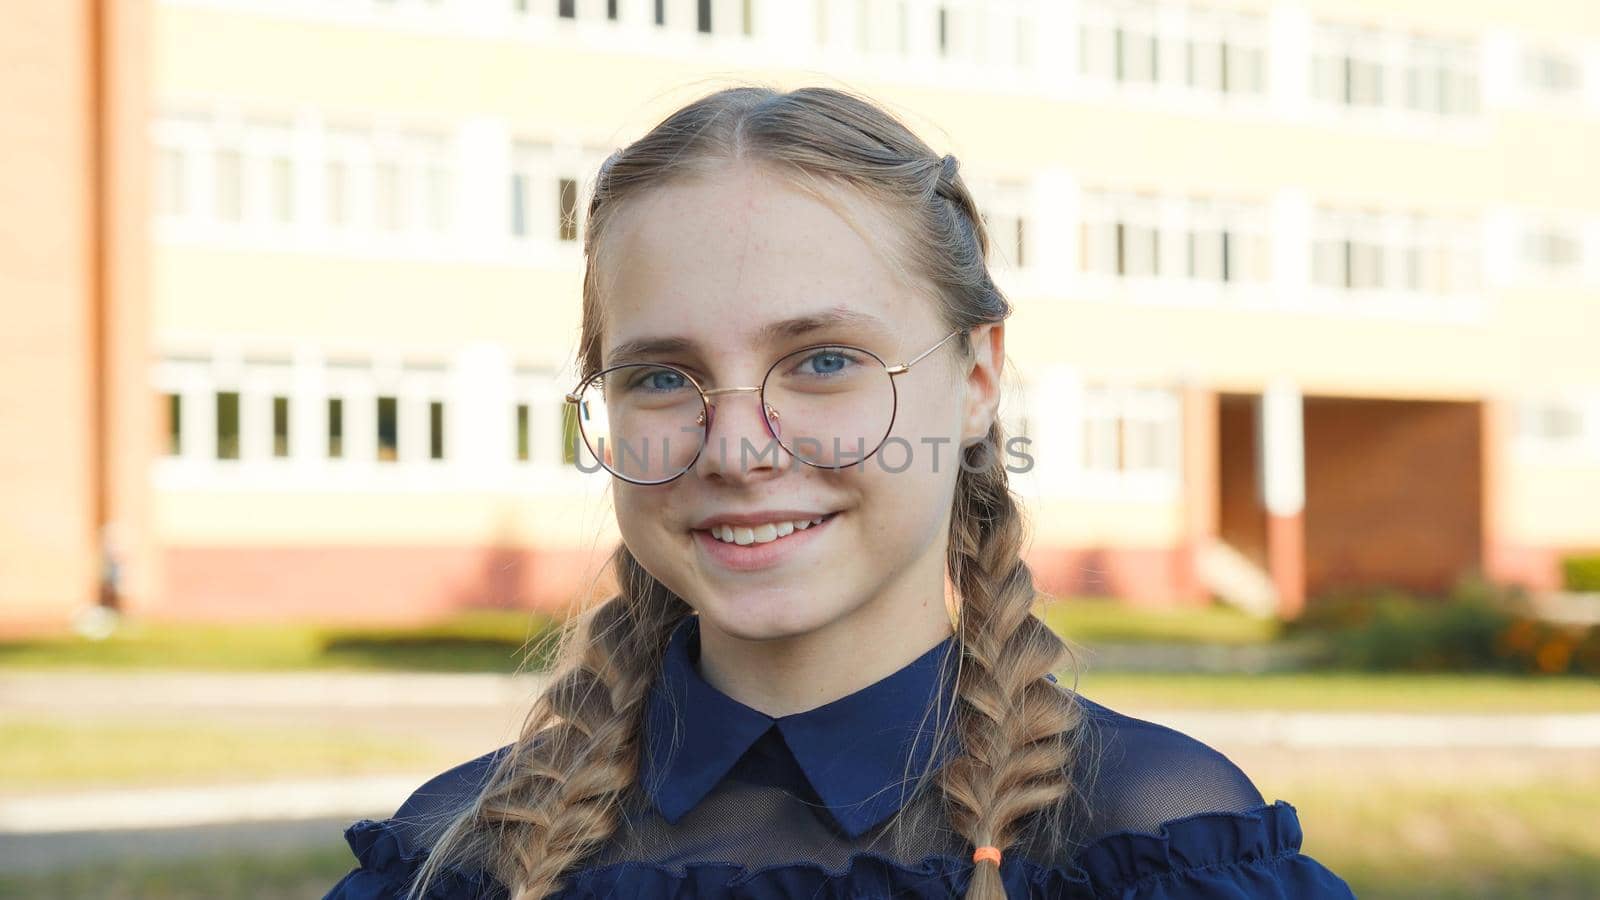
282 180
1209 255
1137 54
388 429
1552 251
440 194
1372 68
1130 430
570 436
1551 74
1359 251
436 429
1202 239
519 204
1002 205
1118 42
227 425
661 12
280 426
1441 77
389 182
1552 423
546 205
567 9
229 188
1120 235
172 181
390 197
173 404
1138 249
335 428
702 19
336 188
1225 54
1352 258
371 180
1102 433
567 189
524 443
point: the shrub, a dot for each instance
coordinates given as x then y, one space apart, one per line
479 641
1477 627
1581 573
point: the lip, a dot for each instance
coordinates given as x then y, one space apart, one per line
752 557
759 517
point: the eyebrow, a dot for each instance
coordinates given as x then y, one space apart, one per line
834 317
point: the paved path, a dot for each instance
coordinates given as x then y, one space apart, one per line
32 691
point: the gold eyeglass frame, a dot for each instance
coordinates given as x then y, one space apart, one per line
768 414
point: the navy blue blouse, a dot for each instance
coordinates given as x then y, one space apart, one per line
733 803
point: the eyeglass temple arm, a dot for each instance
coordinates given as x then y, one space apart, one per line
897 370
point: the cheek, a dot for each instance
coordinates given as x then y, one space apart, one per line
924 445
903 504
638 511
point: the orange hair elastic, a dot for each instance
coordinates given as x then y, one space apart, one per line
990 853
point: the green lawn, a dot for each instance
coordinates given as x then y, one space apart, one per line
287 876
1100 620
471 642
47 754
1533 841
497 641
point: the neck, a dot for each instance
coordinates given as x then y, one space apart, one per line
800 672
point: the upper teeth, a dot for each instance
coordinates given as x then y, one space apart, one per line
760 534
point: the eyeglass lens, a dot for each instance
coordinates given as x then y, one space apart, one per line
829 406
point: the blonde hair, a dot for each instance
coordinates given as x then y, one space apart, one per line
555 797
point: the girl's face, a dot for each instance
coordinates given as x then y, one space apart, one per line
716 265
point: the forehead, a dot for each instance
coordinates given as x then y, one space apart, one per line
729 254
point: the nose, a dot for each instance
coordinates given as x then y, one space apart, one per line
740 442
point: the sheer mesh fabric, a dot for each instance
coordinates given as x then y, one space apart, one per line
1131 775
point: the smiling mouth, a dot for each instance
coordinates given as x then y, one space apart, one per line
767 533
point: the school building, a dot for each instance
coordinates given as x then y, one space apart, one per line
1307 291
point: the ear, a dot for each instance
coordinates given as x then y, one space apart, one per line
983 381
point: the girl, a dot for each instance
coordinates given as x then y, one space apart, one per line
787 316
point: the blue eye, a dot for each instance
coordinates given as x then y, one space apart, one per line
661 380
826 362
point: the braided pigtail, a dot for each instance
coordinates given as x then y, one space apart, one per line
1017 729
555 798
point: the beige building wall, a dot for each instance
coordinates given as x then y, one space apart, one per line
379 219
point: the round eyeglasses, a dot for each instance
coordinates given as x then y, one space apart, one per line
830 406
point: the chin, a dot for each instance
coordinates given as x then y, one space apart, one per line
765 615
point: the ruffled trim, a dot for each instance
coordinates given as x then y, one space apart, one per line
1110 864
1122 859
377 844
865 874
